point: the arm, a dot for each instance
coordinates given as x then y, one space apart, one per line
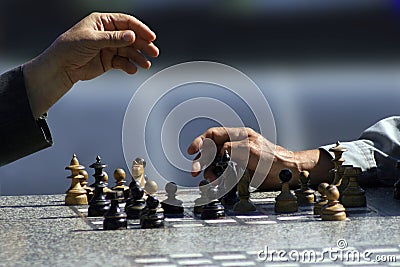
375 152
260 156
96 44
20 133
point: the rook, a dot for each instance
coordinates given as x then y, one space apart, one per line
353 195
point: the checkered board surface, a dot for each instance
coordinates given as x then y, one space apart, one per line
264 215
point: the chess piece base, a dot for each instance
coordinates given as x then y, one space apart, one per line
115 223
318 206
75 199
134 209
171 209
212 211
152 220
304 198
98 208
286 206
354 201
341 216
244 206
333 212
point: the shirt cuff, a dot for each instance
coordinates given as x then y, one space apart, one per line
20 133
360 153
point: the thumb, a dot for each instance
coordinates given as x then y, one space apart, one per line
114 39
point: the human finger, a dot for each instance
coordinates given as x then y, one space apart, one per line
121 21
219 135
124 64
107 39
239 151
205 158
135 56
146 47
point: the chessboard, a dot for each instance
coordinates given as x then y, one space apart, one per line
40 230
264 215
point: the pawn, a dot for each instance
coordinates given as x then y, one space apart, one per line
151 217
83 181
286 201
114 219
353 195
172 205
333 211
76 195
244 205
105 181
202 200
214 209
305 195
322 200
119 176
136 203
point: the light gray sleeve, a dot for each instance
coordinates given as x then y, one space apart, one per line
376 151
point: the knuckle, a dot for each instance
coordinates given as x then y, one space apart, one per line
250 131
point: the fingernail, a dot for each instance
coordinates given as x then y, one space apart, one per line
196 167
127 36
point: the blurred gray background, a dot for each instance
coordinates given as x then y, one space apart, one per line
327 69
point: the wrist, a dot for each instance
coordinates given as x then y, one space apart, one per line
45 82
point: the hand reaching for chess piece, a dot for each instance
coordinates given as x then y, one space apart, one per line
251 150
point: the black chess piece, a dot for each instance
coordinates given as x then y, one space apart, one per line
150 217
115 219
286 201
214 209
231 198
98 205
136 203
172 205
223 164
203 199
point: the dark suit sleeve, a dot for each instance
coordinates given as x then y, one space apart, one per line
20 133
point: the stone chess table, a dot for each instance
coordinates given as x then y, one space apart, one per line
39 230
